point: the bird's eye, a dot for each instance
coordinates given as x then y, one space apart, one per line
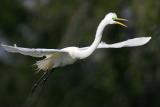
113 18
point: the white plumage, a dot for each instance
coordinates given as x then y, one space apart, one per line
61 57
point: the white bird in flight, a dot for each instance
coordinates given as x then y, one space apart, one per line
60 57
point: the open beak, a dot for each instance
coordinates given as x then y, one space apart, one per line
119 23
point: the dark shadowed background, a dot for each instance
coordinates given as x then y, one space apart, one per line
127 77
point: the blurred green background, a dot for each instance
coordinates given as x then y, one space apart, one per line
127 77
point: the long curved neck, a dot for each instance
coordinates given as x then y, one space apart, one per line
94 45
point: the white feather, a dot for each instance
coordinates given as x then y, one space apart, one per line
128 43
31 51
61 57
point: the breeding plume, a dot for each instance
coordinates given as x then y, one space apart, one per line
60 57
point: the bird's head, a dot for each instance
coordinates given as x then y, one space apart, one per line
111 18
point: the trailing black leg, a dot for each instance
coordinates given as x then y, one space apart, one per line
45 79
38 82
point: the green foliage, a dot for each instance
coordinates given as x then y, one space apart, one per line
113 77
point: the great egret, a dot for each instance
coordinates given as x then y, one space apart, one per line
61 57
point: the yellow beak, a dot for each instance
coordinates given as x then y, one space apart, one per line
119 23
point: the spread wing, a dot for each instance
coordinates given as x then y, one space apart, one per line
128 43
31 51
44 52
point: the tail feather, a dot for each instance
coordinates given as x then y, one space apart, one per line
45 64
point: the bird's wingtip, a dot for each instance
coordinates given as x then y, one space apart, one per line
148 39
145 39
2 45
